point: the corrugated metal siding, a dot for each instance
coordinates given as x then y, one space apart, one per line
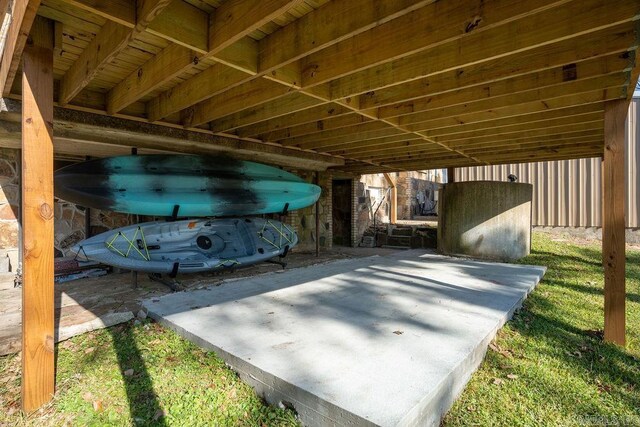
568 193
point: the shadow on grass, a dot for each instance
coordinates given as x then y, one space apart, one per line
606 364
143 401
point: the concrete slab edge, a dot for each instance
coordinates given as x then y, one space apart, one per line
277 392
432 408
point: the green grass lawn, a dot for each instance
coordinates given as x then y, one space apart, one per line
548 366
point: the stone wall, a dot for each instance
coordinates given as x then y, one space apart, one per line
303 221
9 205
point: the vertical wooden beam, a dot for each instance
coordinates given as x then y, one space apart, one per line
613 224
393 213
37 217
316 181
451 174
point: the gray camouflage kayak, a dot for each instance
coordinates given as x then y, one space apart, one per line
189 246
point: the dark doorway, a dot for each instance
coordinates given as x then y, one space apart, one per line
342 212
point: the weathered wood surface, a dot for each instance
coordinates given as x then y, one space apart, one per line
613 228
321 75
37 218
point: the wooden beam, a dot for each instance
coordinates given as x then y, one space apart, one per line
166 65
327 25
522 87
508 100
274 52
84 128
613 223
228 26
104 48
252 93
369 137
235 19
293 102
348 147
310 115
23 14
37 218
430 64
183 24
215 79
355 132
478 39
437 119
519 120
393 212
547 127
315 127
122 12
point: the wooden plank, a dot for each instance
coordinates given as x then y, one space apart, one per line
562 57
112 39
23 14
449 73
37 218
393 211
508 100
508 132
519 120
315 127
327 25
122 12
168 64
235 19
520 86
184 24
312 32
613 224
358 130
499 32
321 112
208 83
252 93
439 120
286 105
349 147
107 44
371 137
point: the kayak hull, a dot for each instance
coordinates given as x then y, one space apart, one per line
189 246
205 186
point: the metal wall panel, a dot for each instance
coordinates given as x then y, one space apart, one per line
568 193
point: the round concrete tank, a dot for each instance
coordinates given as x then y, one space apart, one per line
485 219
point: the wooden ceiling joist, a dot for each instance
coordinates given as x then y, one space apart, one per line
384 84
23 14
106 45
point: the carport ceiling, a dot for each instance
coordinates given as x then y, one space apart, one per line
384 85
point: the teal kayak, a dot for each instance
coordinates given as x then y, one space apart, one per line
183 185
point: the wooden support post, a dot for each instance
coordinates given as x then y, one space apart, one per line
136 218
393 214
451 174
37 218
317 214
613 224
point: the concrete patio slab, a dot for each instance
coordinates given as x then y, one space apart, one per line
388 340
